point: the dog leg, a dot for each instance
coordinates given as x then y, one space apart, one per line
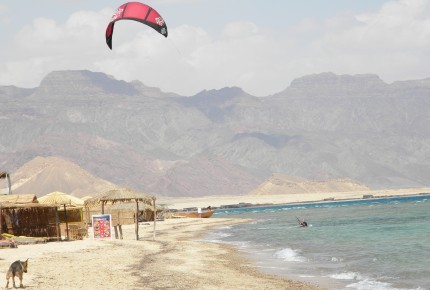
7 283
20 276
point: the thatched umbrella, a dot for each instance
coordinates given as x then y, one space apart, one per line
124 195
86 197
61 199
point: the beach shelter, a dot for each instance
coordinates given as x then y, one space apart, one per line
28 219
123 195
22 215
18 198
62 199
86 198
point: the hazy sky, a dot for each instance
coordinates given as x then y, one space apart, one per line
260 46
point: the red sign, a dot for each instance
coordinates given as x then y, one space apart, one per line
102 226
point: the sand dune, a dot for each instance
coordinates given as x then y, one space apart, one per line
284 184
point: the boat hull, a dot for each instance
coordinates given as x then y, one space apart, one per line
194 214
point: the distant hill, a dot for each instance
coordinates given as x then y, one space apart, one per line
44 175
281 184
222 142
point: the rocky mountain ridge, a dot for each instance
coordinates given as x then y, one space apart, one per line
321 127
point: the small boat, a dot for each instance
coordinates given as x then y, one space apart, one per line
194 214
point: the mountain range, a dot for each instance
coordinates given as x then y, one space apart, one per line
217 142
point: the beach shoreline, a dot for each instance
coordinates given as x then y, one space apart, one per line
177 259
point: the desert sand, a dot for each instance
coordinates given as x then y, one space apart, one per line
216 201
176 259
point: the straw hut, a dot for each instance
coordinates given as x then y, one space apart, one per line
70 212
124 196
124 213
22 215
18 198
31 219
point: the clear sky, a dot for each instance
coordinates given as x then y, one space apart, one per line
260 46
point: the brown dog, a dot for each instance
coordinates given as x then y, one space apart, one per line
17 268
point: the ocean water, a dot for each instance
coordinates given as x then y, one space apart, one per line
361 244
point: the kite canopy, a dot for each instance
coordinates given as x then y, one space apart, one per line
139 12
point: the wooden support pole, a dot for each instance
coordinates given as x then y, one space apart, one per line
120 231
155 218
57 224
1 220
9 185
67 223
116 231
137 220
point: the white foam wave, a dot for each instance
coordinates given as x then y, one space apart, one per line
241 244
225 228
289 255
370 284
213 241
347 276
223 235
362 282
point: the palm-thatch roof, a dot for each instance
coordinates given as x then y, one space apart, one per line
131 206
18 198
120 195
25 205
123 195
61 198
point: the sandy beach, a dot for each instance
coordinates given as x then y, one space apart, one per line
175 260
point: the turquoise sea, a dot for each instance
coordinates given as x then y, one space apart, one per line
361 244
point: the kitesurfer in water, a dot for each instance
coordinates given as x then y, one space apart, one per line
302 223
